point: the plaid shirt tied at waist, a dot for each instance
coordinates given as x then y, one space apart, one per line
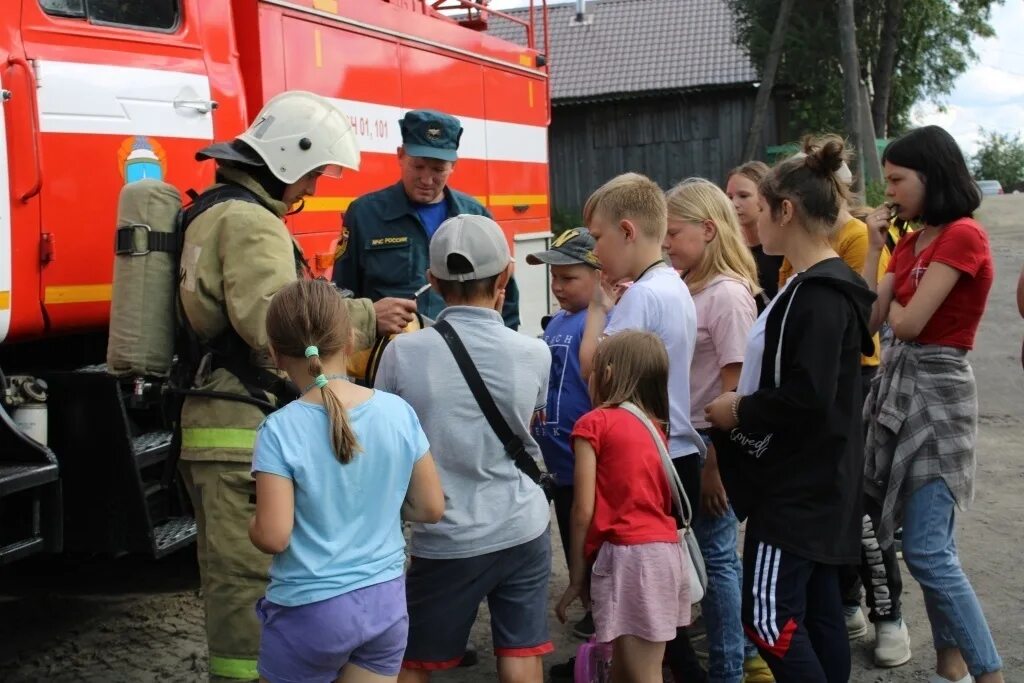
922 424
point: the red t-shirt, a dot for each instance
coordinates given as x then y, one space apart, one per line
633 503
963 244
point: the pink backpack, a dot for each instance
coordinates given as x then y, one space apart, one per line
593 662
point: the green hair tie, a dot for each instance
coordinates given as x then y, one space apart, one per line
312 351
321 381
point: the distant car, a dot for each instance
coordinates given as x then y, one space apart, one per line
990 187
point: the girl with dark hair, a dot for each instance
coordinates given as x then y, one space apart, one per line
923 411
336 471
789 439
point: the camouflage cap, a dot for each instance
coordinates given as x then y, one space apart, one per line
572 247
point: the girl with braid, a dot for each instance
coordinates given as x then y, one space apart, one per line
336 471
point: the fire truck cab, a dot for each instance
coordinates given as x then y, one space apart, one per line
99 93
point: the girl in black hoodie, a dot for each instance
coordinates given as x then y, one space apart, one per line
790 439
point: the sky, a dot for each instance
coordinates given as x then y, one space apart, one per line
989 94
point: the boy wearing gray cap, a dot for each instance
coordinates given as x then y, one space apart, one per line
493 541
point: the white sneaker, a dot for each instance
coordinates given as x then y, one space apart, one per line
856 624
892 644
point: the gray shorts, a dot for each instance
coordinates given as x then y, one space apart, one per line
444 596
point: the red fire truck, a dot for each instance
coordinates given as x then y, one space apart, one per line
97 93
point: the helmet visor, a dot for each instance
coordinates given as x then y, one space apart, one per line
329 170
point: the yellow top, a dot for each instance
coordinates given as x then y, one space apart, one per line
851 243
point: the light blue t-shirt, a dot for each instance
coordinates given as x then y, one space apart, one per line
348 531
659 302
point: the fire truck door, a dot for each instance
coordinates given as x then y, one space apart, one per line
5 218
123 95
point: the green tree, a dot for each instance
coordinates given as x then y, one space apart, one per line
1000 157
908 51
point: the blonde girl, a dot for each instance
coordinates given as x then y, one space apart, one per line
705 243
336 472
625 548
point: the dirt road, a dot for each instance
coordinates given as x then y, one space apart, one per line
135 620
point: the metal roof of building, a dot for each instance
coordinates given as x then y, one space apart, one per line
626 48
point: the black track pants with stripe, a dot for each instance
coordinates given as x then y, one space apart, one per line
793 613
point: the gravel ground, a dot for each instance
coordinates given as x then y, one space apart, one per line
133 619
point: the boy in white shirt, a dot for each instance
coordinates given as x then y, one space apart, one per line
628 218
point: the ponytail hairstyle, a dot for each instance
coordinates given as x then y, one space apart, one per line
811 182
308 318
632 366
696 200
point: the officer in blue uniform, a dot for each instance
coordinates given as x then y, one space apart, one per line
383 252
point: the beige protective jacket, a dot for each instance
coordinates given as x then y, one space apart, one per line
236 256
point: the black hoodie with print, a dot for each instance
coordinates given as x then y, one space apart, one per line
793 467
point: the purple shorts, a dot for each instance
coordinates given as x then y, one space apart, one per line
367 627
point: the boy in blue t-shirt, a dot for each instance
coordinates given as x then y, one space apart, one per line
572 263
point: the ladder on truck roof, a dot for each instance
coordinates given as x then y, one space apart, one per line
477 13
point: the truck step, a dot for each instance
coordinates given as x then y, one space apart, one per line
20 549
175 533
16 477
151 448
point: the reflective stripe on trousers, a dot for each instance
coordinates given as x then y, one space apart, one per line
243 669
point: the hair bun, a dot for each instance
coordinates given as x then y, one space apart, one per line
825 155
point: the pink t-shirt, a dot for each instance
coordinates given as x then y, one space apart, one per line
725 314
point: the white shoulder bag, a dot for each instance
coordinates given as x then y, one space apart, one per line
698 576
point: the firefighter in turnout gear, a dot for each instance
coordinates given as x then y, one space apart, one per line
237 254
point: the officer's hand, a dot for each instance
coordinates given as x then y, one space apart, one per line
394 314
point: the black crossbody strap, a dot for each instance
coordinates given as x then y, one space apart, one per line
514 445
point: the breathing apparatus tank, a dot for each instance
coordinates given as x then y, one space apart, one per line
142 302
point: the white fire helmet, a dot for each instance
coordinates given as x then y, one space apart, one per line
298 132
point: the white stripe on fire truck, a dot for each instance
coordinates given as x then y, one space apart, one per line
119 100
378 131
122 100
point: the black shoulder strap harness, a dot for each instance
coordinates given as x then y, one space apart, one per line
513 444
228 350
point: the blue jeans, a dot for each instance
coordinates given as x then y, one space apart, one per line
930 553
721 604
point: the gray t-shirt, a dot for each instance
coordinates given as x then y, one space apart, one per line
489 504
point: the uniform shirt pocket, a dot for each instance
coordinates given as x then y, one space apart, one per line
389 261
